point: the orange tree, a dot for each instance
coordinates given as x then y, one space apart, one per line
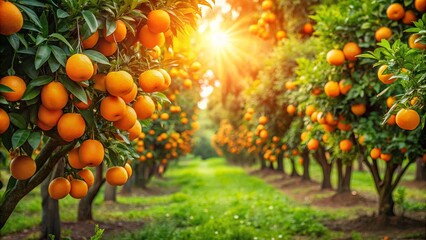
78 78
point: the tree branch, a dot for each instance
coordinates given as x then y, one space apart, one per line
400 174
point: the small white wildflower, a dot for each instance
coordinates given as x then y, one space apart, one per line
236 216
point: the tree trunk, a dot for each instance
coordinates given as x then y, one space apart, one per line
84 212
271 165
343 177
110 193
386 202
50 220
262 161
420 170
280 162
325 167
339 166
360 164
127 188
346 186
294 172
305 155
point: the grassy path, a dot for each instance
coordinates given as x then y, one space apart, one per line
218 201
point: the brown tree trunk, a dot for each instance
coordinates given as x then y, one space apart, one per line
50 220
84 212
386 202
271 165
262 161
110 193
420 170
280 162
127 188
305 155
343 177
360 164
325 167
294 172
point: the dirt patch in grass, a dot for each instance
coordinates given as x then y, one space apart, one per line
348 199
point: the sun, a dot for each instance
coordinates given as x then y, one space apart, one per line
219 40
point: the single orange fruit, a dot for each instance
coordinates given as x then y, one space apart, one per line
309 110
345 145
291 109
151 81
413 44
79 68
361 140
375 153
17 85
22 167
351 50
91 41
391 120
78 188
128 121
158 21
100 82
390 101
314 116
383 33
135 131
91 153
330 119
130 97
49 117
59 188
119 33
344 86
335 57
304 136
71 126
384 78
263 120
407 119
395 11
106 48
187 83
164 116
4 121
414 100
280 35
332 89
420 5
87 176
116 176
119 83
409 17
144 107
167 79
313 144
290 85
267 5
43 126
81 105
386 156
344 126
74 159
113 108
263 134
54 96
149 39
129 170
11 19
358 109
308 28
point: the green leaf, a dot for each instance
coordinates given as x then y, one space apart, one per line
42 55
18 120
14 41
89 117
31 93
90 20
160 97
110 26
62 39
61 13
4 88
44 24
59 54
53 64
31 14
75 88
34 139
20 137
22 40
96 56
33 3
40 81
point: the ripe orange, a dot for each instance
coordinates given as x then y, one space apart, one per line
43 126
167 79
314 116
407 119
49 117
135 131
390 101
91 41
59 188
164 116
383 33
71 126
308 28
358 109
100 80
344 86
291 109
344 126
18 86
313 144
119 83
420 5
386 156
384 78
4 121
79 68
413 44
22 167
309 110
74 159
78 188
414 100
128 98
113 108
391 120
331 89
375 153
81 105
351 50
263 120
91 153
144 107
129 170
395 12
11 19
187 83
87 176
304 136
289 85
128 121
335 57
361 140
151 81
345 145
263 134
149 39
158 21
119 34
54 96
280 35
106 48
116 176
409 17
330 119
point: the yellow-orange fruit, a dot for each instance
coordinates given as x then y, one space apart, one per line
116 176
11 19
151 81
113 108
18 86
74 159
54 96
144 107
22 167
59 188
158 21
119 83
128 121
91 153
79 68
71 126
335 57
87 176
4 121
407 119
119 33
79 188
